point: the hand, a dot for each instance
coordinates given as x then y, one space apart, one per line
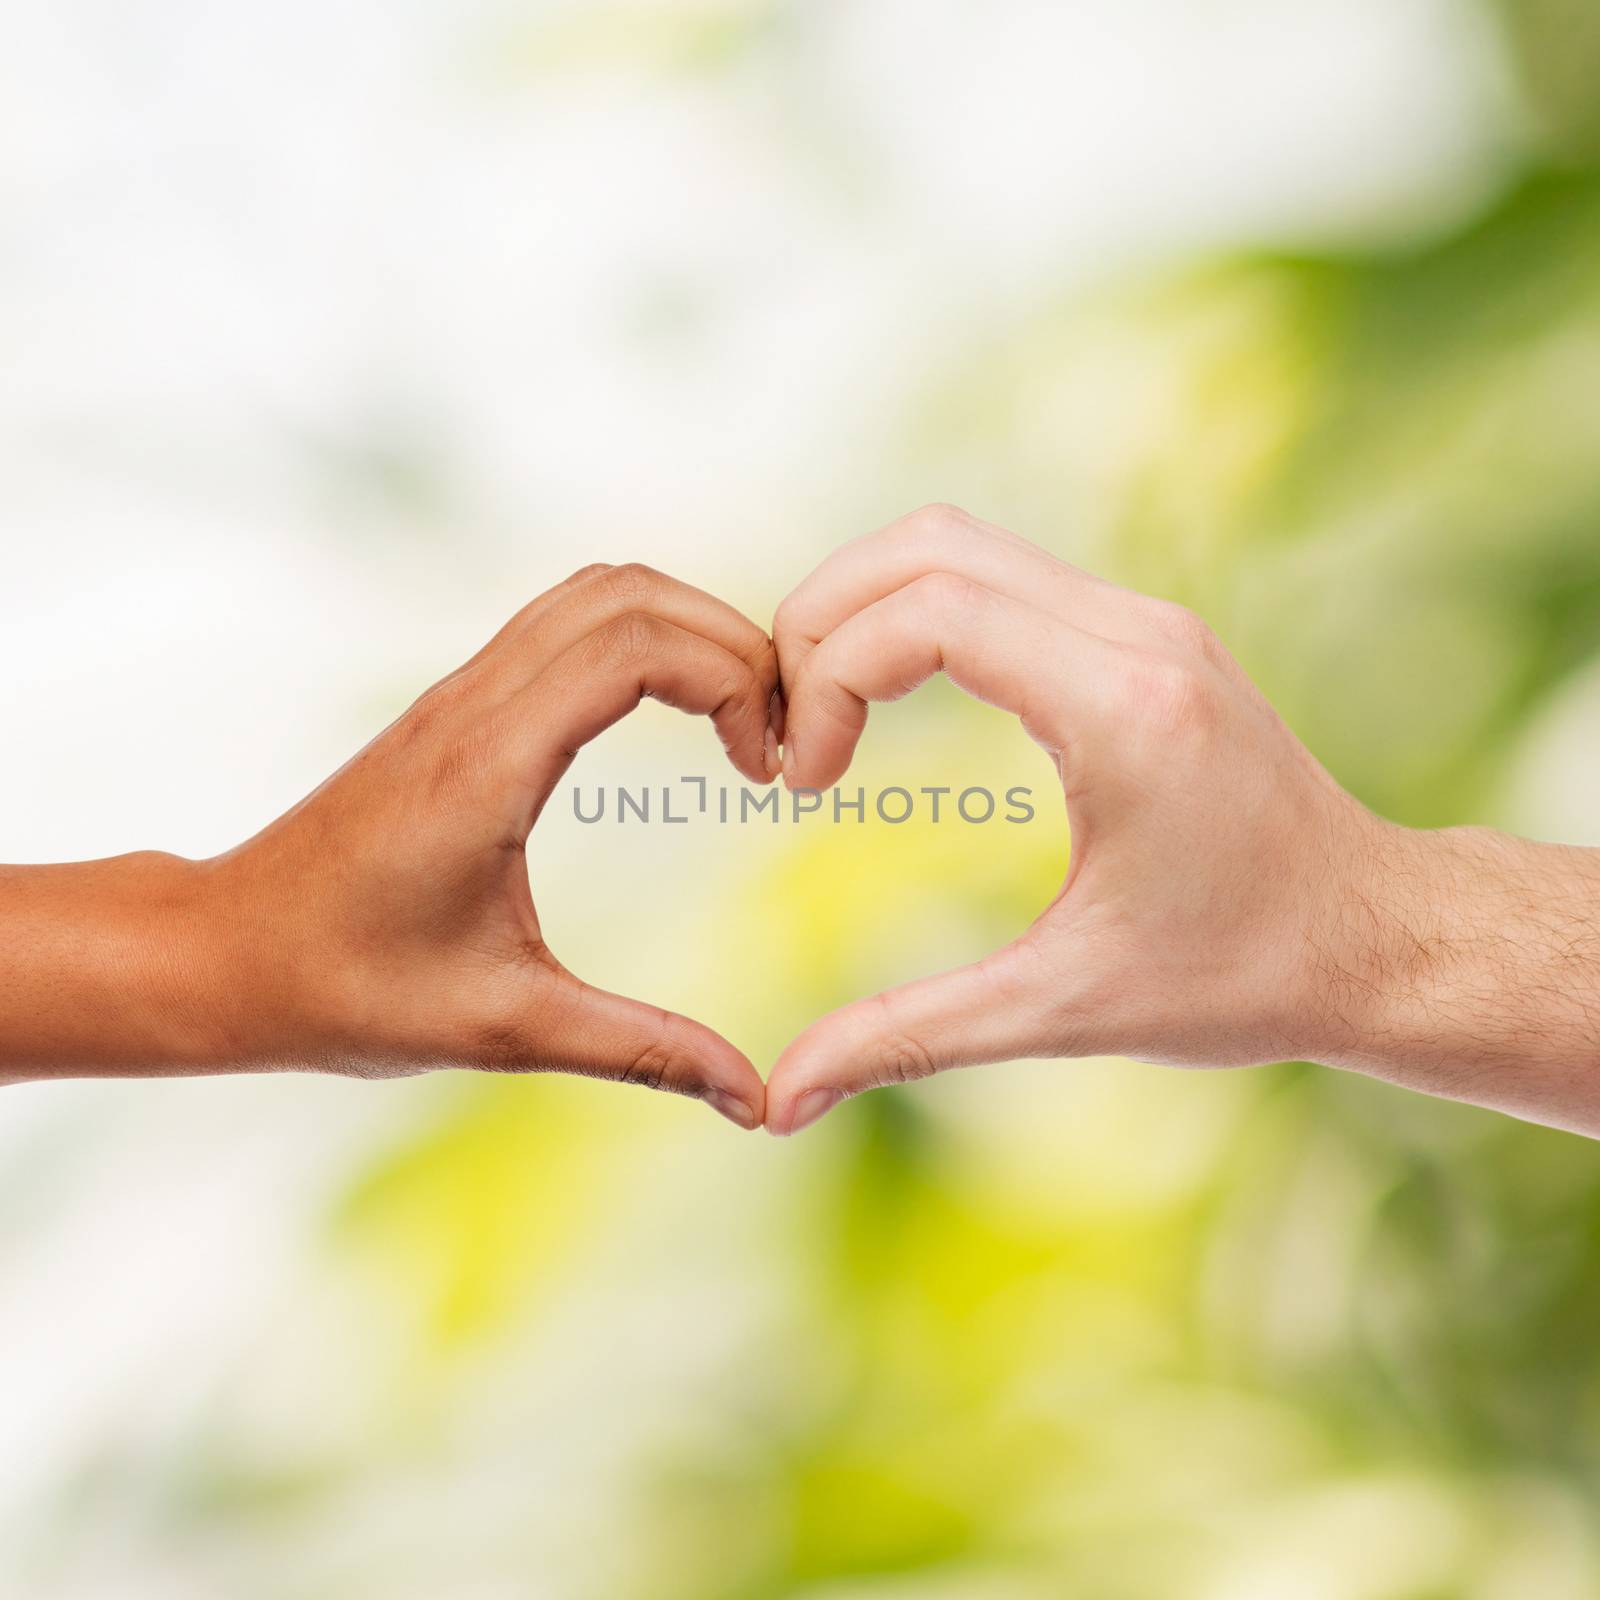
385 925
1226 901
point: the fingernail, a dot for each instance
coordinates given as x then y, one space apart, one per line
812 1104
788 762
731 1107
776 713
772 752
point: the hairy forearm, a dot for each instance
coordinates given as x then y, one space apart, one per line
1467 964
108 968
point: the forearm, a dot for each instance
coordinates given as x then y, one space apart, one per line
1467 964
109 968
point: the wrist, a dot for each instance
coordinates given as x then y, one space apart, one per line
162 913
1368 946
1464 962
1384 949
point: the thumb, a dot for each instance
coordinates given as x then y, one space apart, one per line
598 1034
984 1012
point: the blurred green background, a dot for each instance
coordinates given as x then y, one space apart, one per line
329 336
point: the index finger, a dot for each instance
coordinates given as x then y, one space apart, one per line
596 596
1058 679
943 539
534 736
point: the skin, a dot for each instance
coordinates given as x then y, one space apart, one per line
386 924
1226 902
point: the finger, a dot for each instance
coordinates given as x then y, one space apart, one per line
575 1027
533 608
1053 676
601 678
978 1013
943 539
540 632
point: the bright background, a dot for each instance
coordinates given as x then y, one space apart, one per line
332 332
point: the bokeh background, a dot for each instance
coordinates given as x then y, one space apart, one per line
330 333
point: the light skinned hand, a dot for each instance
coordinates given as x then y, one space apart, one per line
386 925
1226 902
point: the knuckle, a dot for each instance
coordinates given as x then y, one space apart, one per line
801 687
791 639
937 518
763 662
436 704
593 570
1190 632
1174 695
1017 973
431 722
743 688
758 656
898 1058
938 526
786 619
634 582
634 636
654 1067
947 593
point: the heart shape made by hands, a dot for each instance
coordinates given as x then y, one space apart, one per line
387 923
1201 829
